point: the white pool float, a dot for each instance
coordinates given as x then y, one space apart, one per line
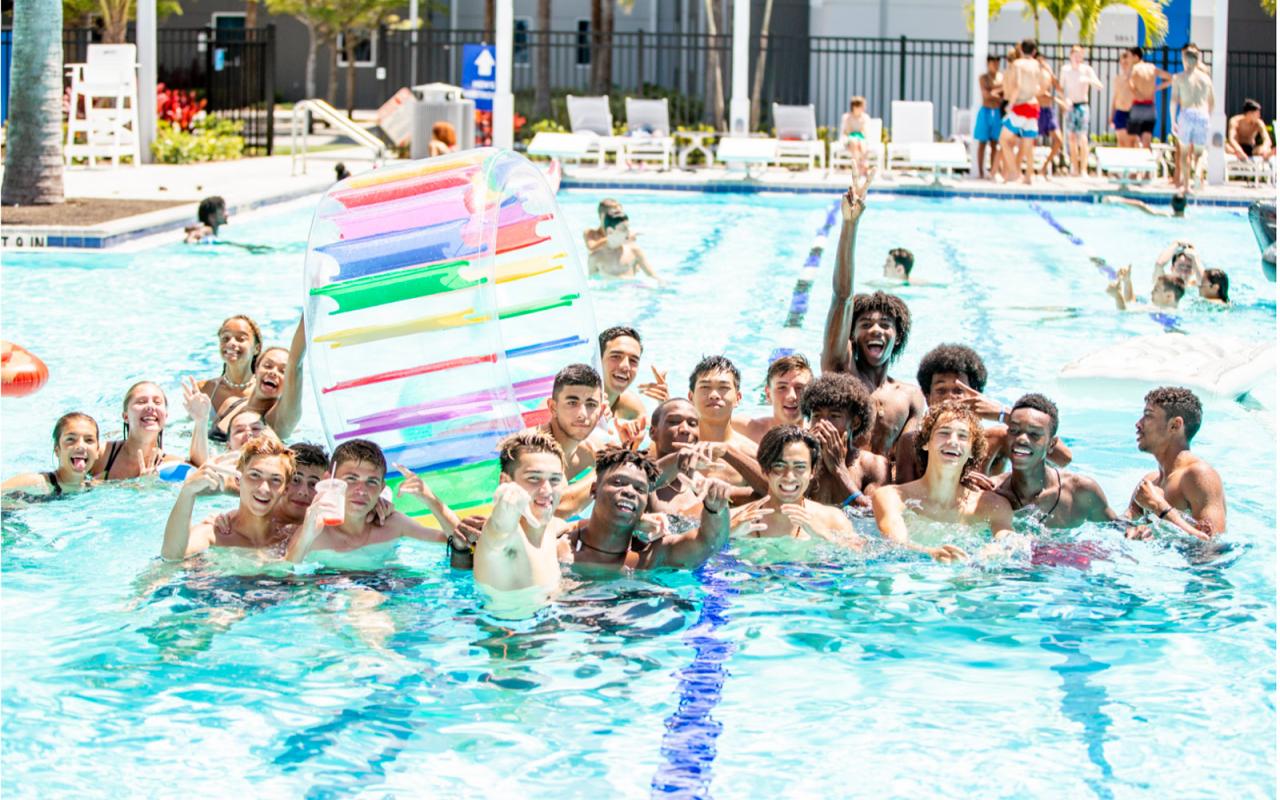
1214 366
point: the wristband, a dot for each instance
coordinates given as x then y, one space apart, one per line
1162 514
1003 416
851 498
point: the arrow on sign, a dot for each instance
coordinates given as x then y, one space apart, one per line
485 63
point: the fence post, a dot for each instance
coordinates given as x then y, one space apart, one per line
269 85
902 68
640 62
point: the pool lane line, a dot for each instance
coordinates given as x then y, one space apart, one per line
799 306
689 745
1167 321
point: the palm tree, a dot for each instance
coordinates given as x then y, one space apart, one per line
542 63
1151 12
1060 12
762 56
33 163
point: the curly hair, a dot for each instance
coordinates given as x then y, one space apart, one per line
777 439
948 411
955 358
1038 402
892 307
611 458
843 392
516 445
266 444
1176 401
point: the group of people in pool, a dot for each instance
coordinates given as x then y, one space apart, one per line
605 483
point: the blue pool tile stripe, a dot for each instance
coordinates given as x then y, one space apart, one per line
799 306
689 745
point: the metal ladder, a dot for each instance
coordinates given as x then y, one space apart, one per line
337 120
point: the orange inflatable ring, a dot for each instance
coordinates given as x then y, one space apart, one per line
21 373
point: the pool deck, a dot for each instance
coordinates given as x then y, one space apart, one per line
253 183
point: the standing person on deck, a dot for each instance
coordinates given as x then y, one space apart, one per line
1142 115
1184 493
986 128
1193 95
1046 124
865 334
1022 84
1122 100
1077 78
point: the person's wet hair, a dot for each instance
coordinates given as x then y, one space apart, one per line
955 358
715 364
72 417
210 209
266 444
1038 402
1028 47
903 258
946 411
613 219
576 375
358 450
795 362
1178 203
1220 282
1135 52
892 307
611 458
993 58
1250 105
606 205
840 391
257 339
306 454
1174 284
128 396
660 412
1175 401
516 445
777 439
609 334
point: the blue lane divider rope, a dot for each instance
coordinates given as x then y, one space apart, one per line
799 306
689 745
1167 321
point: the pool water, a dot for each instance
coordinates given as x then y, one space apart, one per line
768 673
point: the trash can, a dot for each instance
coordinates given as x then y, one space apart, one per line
436 102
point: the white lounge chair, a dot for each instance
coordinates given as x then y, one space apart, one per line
109 130
797 130
1126 162
747 152
648 132
962 125
872 145
591 116
938 156
563 146
911 122
1254 169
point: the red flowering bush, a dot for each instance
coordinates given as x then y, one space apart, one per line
178 107
484 126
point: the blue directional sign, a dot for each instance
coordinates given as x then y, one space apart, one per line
479 74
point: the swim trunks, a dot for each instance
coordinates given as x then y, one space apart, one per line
1193 126
987 127
1078 119
1046 123
1142 118
1120 120
1022 120
1247 148
856 135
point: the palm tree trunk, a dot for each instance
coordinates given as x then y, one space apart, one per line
542 63
33 159
606 49
490 20
715 75
349 50
309 79
597 43
250 14
762 56
331 89
115 21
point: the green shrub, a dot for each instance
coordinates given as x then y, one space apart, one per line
211 139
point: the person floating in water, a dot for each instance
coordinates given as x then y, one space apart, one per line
1184 493
145 411
1033 486
952 444
866 333
1166 292
75 446
619 257
1177 205
212 215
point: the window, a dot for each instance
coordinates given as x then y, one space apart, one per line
520 42
228 26
366 51
584 43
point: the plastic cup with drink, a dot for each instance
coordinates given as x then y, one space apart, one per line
332 497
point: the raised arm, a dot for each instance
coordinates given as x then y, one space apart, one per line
837 352
496 561
414 485
692 549
642 261
198 407
181 538
284 415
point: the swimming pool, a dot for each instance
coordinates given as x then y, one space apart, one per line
1152 673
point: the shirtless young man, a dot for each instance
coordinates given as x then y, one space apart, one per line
1142 114
866 333
517 549
1055 498
266 466
784 384
1077 78
986 128
789 457
624 480
1022 84
1247 134
1193 95
595 238
951 444
1122 100
1184 493
1046 124
954 373
1166 292
839 412
362 466
618 257
310 464
715 389
682 460
620 351
575 409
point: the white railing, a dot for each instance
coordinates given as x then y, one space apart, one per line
335 118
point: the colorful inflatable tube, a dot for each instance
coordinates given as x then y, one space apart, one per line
441 299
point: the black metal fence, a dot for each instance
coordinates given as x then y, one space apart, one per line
233 69
822 70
